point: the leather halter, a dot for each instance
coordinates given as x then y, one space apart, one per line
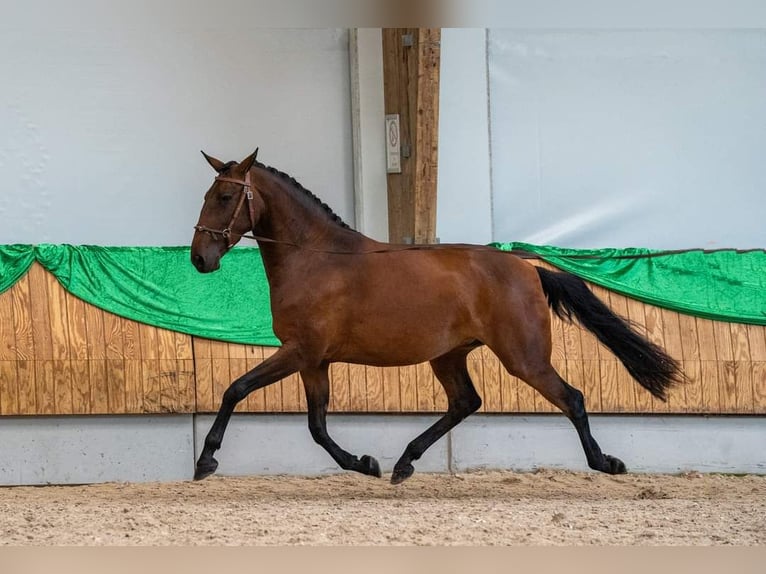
247 194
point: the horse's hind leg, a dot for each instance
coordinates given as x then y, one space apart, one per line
571 402
452 372
317 386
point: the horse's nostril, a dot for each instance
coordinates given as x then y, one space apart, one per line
198 261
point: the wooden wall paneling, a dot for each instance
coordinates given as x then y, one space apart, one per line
745 399
96 348
758 377
22 319
756 339
150 368
115 383
25 347
740 342
40 314
9 389
408 395
357 379
134 386
424 387
44 387
78 354
727 370
691 359
203 374
169 376
186 380
62 375
672 336
339 388
292 391
9 386
711 402
375 389
7 327
115 363
392 401
756 336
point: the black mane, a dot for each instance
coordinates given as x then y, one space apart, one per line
282 175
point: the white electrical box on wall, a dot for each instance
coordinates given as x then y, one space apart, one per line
393 144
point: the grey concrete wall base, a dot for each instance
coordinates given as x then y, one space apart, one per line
72 450
77 450
646 444
281 444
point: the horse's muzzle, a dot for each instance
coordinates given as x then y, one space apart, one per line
204 266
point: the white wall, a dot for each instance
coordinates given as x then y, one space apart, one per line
464 203
603 138
105 106
368 111
617 138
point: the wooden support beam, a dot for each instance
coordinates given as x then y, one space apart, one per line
411 58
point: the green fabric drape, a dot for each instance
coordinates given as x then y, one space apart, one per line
724 285
15 261
159 286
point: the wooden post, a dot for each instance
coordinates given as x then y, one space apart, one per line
411 59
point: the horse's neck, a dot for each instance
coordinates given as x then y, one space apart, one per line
293 219
297 230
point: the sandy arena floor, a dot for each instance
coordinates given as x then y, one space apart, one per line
482 508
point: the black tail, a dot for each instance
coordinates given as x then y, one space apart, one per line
649 364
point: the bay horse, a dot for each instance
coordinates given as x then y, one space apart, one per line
339 296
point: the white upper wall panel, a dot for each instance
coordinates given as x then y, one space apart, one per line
649 138
102 116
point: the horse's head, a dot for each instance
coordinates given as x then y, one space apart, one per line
232 208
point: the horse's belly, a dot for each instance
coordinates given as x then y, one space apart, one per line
394 341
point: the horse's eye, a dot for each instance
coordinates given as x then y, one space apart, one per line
225 198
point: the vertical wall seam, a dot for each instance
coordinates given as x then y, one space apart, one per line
489 138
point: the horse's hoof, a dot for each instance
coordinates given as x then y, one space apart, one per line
369 466
203 470
402 473
613 465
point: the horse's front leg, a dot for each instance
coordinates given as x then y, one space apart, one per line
284 362
316 382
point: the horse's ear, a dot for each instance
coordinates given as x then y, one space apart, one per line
216 164
248 162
